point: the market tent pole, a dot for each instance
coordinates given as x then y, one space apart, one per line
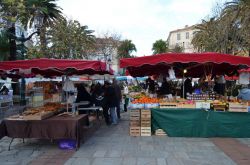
183 86
183 83
63 81
22 91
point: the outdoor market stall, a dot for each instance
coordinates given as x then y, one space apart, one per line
44 122
190 65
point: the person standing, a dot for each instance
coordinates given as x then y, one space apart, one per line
83 96
118 95
187 87
110 102
165 87
126 99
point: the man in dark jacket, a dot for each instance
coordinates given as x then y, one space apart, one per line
110 102
82 96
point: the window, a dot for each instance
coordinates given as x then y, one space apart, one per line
178 36
187 35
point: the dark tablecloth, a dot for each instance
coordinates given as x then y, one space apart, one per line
56 127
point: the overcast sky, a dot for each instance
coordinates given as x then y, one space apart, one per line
142 21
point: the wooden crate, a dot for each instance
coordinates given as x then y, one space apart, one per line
135 115
145 122
187 106
135 131
145 131
219 106
135 123
234 107
160 132
169 105
145 114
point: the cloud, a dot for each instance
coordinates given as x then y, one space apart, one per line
142 21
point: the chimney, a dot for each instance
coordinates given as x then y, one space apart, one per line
186 26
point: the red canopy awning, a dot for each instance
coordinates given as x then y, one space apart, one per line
195 63
55 67
244 70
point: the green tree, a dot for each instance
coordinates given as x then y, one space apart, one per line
69 39
10 12
125 49
4 46
160 46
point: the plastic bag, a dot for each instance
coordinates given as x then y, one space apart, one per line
67 144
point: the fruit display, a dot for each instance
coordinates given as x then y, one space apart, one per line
146 100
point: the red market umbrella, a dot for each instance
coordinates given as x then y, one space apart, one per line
195 64
54 67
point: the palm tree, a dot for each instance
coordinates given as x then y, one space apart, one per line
209 36
50 12
126 48
238 11
160 46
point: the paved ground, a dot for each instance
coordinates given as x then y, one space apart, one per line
113 146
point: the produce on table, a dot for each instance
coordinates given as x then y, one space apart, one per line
145 99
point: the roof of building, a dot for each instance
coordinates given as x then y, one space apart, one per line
183 29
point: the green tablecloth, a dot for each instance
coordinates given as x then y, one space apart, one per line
201 123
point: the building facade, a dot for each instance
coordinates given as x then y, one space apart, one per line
183 38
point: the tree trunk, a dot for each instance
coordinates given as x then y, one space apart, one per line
43 42
12 42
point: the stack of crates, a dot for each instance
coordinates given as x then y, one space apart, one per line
145 123
135 129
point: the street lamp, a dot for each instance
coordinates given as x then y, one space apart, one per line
38 21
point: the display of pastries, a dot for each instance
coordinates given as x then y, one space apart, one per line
48 107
